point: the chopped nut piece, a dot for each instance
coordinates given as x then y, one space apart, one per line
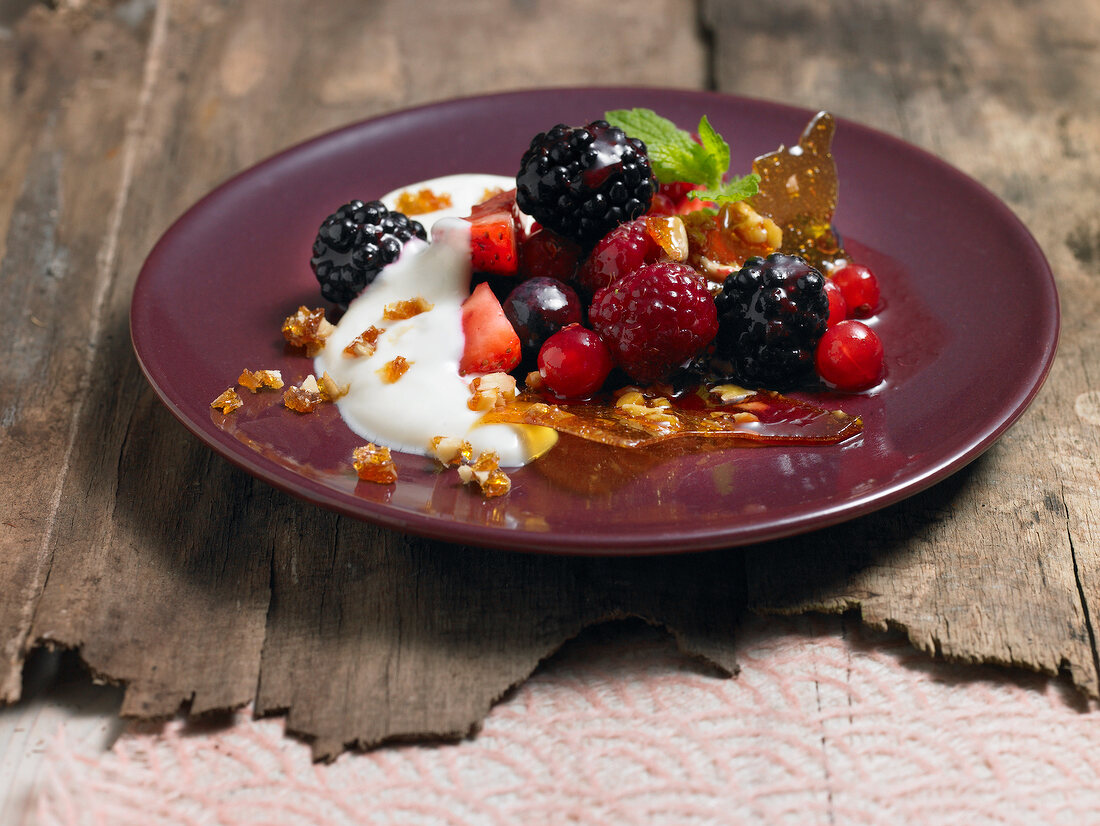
310 385
731 392
228 401
487 473
365 343
400 310
256 380
533 380
307 329
491 391
745 416
450 450
330 390
422 201
394 369
374 464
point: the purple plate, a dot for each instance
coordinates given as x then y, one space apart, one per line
970 326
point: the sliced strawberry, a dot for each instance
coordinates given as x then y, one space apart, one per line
501 202
491 343
493 244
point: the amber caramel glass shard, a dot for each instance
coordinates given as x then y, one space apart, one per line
798 190
227 402
422 201
400 310
256 380
374 463
302 400
307 329
394 369
364 344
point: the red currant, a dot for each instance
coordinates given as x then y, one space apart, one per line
574 362
849 356
838 307
860 288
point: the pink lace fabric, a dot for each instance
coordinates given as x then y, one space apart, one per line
827 723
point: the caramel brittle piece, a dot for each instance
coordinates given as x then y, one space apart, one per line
227 402
400 310
486 471
491 390
330 390
422 201
257 380
307 329
305 397
450 450
374 463
364 344
394 369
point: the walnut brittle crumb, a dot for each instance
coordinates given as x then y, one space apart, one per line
364 344
400 310
394 369
485 470
422 201
227 402
257 380
491 390
305 397
374 464
450 450
307 329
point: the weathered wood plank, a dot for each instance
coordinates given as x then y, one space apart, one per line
1000 563
69 83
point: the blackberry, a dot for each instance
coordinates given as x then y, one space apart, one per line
771 315
355 243
582 182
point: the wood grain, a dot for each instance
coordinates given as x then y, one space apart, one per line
196 586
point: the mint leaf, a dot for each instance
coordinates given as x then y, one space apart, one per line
738 189
669 147
676 156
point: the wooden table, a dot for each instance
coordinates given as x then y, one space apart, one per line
197 587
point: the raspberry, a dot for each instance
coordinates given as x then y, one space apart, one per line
584 181
355 243
772 313
655 319
620 252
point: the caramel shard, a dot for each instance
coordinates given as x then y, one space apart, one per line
364 344
670 234
422 201
491 390
486 471
798 190
330 390
374 463
307 329
394 369
227 402
450 450
303 398
257 380
400 310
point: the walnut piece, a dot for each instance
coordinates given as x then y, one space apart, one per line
491 391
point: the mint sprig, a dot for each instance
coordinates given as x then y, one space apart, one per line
676 156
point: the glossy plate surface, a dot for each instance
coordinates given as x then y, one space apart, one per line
970 327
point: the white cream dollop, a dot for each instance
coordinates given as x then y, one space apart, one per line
430 399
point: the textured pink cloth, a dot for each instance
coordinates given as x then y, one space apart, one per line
827 723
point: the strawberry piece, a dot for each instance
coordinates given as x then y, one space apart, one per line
493 244
491 343
501 202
